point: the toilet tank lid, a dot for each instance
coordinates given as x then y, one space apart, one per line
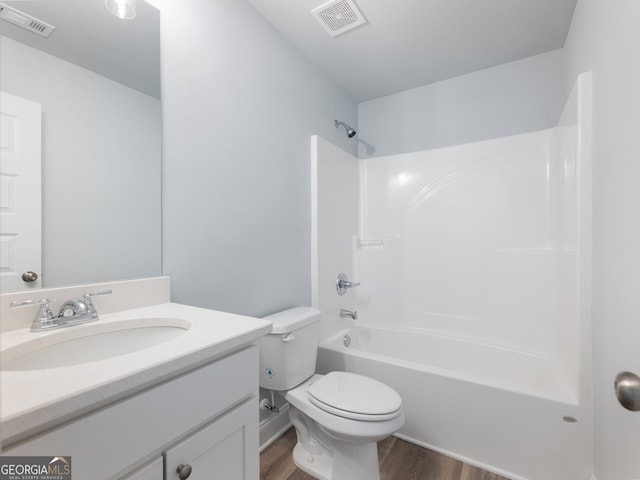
292 319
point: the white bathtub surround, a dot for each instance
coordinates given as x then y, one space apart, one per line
335 200
462 359
475 264
480 244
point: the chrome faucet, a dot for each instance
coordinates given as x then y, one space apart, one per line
72 312
344 313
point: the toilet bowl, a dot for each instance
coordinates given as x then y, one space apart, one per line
338 417
336 444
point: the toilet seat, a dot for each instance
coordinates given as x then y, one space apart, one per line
370 428
355 397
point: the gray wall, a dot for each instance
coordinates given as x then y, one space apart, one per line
517 97
101 147
239 106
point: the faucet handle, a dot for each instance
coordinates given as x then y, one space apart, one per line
44 304
27 303
104 292
44 316
89 303
342 283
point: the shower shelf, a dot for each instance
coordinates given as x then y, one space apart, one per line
370 244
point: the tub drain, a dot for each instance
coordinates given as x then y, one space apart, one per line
346 340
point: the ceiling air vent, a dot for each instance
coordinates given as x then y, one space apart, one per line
338 16
25 21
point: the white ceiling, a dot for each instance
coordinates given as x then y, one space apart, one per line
405 43
409 43
127 51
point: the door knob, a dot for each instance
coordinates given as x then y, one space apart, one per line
183 471
29 276
627 387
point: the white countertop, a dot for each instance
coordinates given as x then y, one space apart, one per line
35 400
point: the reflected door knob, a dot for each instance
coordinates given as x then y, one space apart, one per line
627 387
29 276
183 471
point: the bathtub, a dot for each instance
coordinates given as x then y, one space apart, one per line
504 410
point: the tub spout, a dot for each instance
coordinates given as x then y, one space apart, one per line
344 313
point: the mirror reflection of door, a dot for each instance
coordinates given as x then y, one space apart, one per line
20 193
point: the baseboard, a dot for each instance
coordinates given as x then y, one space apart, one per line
273 427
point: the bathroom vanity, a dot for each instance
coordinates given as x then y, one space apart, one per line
183 407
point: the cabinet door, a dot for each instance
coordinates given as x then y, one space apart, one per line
151 471
225 449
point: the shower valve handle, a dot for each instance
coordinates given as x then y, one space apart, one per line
343 283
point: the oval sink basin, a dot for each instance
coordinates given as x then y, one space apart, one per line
73 346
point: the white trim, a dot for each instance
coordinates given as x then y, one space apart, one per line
274 427
315 295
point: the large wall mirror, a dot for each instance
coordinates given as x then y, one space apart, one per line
97 80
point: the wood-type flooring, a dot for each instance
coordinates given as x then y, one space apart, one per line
399 460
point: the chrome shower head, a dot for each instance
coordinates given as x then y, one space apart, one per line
350 131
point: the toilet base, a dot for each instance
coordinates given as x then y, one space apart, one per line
349 462
327 458
352 462
330 447
319 466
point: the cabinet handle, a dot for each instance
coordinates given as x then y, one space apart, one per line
183 471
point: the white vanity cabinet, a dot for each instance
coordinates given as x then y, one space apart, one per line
206 418
216 451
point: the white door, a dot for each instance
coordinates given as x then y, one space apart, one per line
20 193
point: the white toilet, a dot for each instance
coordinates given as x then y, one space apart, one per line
338 417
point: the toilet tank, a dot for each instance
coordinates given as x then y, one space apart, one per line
288 353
